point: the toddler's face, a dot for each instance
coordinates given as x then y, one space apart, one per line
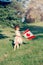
17 28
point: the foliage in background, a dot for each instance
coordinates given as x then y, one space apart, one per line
9 13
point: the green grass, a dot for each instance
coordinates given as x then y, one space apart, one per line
30 53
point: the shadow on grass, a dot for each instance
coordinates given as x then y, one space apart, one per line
0 30
12 41
2 36
33 29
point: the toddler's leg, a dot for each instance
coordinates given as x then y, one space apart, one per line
15 47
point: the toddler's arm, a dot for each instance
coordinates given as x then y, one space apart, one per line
25 39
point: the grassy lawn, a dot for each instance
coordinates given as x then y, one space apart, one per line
30 53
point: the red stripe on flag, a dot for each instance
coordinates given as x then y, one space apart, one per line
26 31
31 37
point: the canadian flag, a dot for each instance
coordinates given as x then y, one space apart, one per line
27 34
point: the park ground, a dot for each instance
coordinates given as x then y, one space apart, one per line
30 53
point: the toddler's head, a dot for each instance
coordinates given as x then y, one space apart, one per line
17 27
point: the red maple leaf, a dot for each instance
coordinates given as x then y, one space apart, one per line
27 34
